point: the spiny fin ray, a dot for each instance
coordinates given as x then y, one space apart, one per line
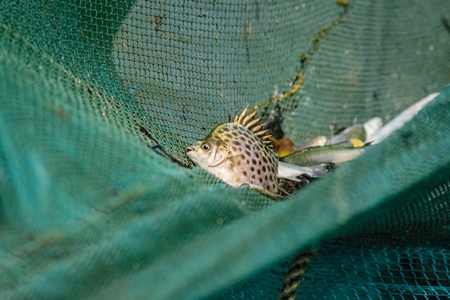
252 124
262 133
248 118
241 116
258 128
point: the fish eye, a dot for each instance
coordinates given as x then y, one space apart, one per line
206 146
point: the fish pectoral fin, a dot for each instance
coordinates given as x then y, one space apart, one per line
262 191
291 172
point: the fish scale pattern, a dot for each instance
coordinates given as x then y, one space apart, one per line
99 100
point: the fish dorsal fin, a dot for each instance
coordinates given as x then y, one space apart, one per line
249 122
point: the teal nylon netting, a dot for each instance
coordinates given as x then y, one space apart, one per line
99 99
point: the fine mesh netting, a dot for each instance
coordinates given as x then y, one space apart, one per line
99 99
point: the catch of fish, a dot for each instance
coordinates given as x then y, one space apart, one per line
241 153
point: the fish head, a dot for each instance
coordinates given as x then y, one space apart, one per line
208 153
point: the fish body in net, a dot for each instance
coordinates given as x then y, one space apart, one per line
357 135
241 154
334 154
356 131
400 120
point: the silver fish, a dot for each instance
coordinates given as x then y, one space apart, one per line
334 154
400 120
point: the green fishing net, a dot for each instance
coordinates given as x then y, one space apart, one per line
99 99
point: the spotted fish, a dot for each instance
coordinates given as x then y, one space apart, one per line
241 154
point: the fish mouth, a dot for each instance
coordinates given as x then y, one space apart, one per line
189 153
189 149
